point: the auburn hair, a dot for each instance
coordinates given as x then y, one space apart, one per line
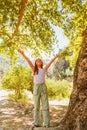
36 68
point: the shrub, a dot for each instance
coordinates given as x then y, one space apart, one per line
0 85
58 88
18 79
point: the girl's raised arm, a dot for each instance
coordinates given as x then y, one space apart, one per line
27 59
48 65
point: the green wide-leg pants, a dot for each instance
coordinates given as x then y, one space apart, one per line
40 94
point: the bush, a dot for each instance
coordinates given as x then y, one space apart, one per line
0 85
58 89
18 79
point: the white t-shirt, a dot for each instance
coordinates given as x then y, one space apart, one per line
40 77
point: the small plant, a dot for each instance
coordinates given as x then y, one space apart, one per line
18 79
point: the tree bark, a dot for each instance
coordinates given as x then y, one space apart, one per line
76 116
22 6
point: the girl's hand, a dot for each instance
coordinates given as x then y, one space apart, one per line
20 51
52 60
58 55
27 59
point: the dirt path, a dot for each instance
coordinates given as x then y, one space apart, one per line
18 116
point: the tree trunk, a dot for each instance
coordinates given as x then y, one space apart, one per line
76 116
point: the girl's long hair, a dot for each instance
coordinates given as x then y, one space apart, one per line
36 68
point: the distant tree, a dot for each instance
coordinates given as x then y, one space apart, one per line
18 79
60 68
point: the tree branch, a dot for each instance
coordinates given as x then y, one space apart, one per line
4 33
21 10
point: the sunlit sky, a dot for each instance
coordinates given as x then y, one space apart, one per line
63 40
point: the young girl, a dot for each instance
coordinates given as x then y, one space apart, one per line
40 90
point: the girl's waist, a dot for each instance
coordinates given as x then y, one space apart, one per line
39 84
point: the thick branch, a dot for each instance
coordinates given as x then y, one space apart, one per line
4 33
22 6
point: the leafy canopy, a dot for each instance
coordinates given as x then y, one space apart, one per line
27 23
34 30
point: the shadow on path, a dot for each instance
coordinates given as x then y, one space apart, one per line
18 116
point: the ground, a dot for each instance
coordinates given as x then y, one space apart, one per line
16 115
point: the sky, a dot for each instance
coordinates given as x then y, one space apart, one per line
63 40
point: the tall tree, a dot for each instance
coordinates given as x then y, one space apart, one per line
76 116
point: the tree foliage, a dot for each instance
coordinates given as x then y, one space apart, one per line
27 23
73 22
34 31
